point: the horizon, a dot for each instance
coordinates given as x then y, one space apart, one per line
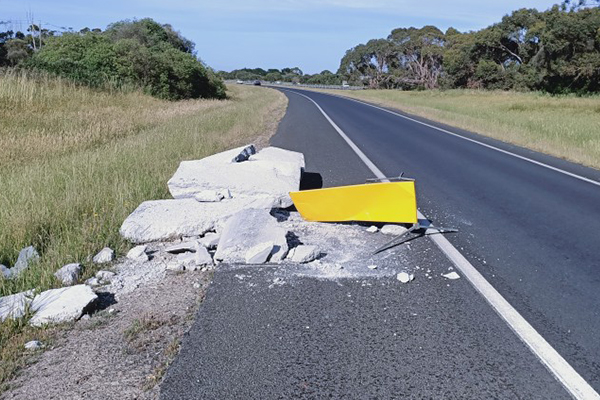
312 35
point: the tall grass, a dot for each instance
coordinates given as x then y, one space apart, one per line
74 162
563 126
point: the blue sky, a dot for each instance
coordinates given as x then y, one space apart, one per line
310 34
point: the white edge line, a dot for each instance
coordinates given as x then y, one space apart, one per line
550 358
489 146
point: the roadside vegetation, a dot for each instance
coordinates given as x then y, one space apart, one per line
563 126
75 161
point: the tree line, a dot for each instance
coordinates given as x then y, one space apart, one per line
294 75
128 54
556 51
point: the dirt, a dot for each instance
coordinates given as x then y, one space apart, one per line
122 350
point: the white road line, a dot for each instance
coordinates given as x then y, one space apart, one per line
489 146
550 358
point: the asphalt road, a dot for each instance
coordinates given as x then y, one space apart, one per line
529 230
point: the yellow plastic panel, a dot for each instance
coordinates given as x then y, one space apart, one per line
374 202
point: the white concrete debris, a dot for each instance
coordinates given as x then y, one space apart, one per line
5 271
203 257
209 196
271 173
405 277
452 275
303 254
372 229
33 345
68 274
104 277
372 266
390 229
15 305
162 220
175 265
61 305
182 247
138 253
92 282
210 240
27 256
247 229
105 255
259 254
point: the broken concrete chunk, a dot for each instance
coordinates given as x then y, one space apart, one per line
138 253
27 256
452 275
161 220
405 277
92 282
259 254
249 228
271 173
182 247
175 265
303 254
203 257
104 277
390 229
372 266
372 229
105 255
68 274
245 154
33 345
208 196
210 240
61 305
4 271
15 305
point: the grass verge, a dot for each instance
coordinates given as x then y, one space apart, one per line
74 162
563 126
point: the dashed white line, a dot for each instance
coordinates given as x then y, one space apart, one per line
550 358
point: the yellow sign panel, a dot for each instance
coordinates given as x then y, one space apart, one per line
394 202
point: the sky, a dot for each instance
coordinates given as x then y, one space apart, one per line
233 34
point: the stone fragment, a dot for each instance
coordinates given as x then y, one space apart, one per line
4 271
208 196
452 275
245 153
33 345
175 265
15 305
372 266
271 173
203 257
182 247
138 253
27 256
68 274
247 229
104 277
92 282
210 240
405 277
188 260
162 220
390 229
105 255
372 229
259 254
303 254
61 305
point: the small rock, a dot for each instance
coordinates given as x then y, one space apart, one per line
372 229
182 248
27 256
175 265
105 255
138 253
372 266
14 306
68 274
259 254
92 282
85 317
4 271
210 240
104 276
208 196
245 154
203 257
452 275
34 345
303 254
396 230
225 193
405 277
188 260
61 305
196 285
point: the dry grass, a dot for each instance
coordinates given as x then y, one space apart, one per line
565 126
74 162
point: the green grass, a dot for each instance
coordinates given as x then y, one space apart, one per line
75 162
563 126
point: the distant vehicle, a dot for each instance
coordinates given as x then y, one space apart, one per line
345 84
240 81
278 82
256 83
